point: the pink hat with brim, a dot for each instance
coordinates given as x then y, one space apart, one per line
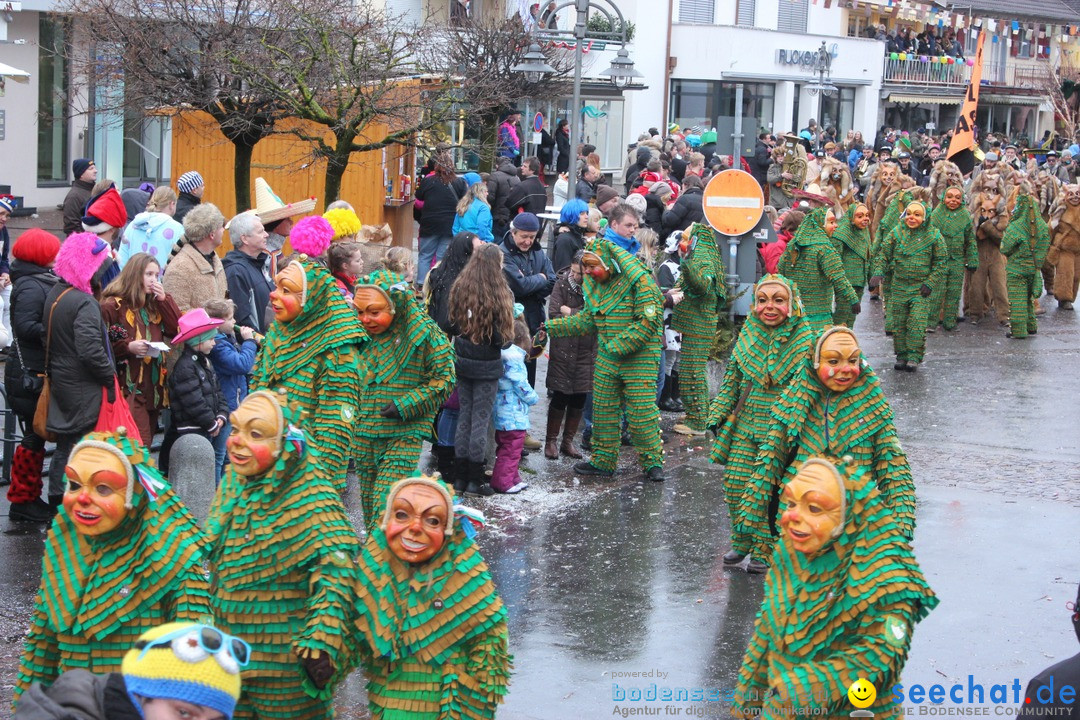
194 323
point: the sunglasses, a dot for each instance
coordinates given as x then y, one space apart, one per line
211 640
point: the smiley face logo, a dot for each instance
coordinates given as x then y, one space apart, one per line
862 693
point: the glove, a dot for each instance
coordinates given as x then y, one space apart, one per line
319 669
856 307
925 290
874 282
972 268
390 412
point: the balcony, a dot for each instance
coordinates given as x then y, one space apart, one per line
914 73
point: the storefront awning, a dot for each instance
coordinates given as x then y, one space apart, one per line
928 99
1009 99
14 73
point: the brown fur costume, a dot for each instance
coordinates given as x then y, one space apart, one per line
836 184
945 174
987 284
886 181
1065 244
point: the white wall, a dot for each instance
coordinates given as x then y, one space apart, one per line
645 108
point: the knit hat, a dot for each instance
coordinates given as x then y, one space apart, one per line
526 222
7 203
197 664
637 202
80 166
344 221
605 193
105 211
991 157
36 246
709 136
189 182
194 323
80 257
312 236
471 178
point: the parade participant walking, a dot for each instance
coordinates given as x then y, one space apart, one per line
421 651
915 256
952 220
1025 244
1065 250
987 284
282 552
768 354
624 308
851 239
701 284
812 263
412 374
841 600
570 367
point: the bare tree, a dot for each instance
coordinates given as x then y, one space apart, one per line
1061 86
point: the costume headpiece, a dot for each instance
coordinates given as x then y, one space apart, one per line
312 236
270 207
133 457
470 519
79 259
835 329
104 211
837 470
344 221
793 293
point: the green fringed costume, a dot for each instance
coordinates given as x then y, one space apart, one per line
853 245
626 314
958 231
913 259
284 572
809 419
812 263
1024 245
433 636
888 222
98 594
765 359
412 366
830 618
317 358
701 279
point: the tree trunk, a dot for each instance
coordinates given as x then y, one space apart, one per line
242 173
336 164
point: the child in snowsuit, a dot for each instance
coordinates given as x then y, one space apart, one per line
512 402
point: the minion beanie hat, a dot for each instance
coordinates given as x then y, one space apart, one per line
170 663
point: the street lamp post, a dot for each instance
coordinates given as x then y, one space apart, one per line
822 84
621 73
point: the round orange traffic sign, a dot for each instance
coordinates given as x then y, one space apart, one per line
733 202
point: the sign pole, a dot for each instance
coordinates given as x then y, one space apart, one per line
733 205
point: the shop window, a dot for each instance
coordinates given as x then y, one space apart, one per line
53 78
692 102
699 12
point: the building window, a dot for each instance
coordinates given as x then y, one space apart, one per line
699 12
692 102
838 111
744 13
711 104
52 139
792 16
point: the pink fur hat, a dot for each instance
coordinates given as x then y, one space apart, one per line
80 256
311 236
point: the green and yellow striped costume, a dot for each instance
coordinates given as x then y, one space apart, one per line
1024 245
812 263
889 221
853 246
284 572
958 230
317 358
763 362
626 313
98 594
843 613
412 366
701 279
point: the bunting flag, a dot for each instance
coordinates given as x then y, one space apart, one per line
961 147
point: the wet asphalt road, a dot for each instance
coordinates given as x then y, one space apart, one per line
604 579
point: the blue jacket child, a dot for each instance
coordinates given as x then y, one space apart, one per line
515 396
232 363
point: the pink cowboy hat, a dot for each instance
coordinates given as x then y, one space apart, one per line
193 323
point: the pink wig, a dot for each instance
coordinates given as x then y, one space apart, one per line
311 236
80 257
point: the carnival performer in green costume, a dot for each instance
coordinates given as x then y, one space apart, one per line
888 222
431 629
701 280
812 263
952 219
623 306
282 557
123 556
412 375
834 406
770 351
841 600
915 255
852 241
1024 245
313 350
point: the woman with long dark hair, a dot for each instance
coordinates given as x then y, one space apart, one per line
440 192
443 275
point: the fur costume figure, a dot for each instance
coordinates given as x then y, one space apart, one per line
792 162
812 263
952 219
946 174
1025 245
624 308
986 285
886 181
841 600
834 406
1046 189
412 375
1065 250
852 241
432 628
314 351
769 352
835 183
916 258
116 563
282 557
701 280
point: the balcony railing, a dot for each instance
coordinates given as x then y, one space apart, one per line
914 72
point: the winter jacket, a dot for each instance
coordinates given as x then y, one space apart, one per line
477 220
546 152
194 394
643 156
193 281
771 252
440 205
529 195
79 695
570 359
232 365
184 202
149 232
75 205
686 211
248 288
500 183
478 362
80 361
654 213
32 284
157 322
585 190
759 168
515 396
523 272
562 160
569 241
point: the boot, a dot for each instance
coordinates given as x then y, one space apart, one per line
676 396
461 475
444 461
26 475
479 485
664 403
551 441
34 511
586 438
531 443
573 419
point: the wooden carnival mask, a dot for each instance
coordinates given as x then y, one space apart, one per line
813 506
594 267
1072 195
954 197
888 174
861 217
772 303
914 215
838 360
254 443
830 223
96 492
417 522
375 307
287 299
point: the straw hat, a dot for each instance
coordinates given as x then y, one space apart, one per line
270 208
